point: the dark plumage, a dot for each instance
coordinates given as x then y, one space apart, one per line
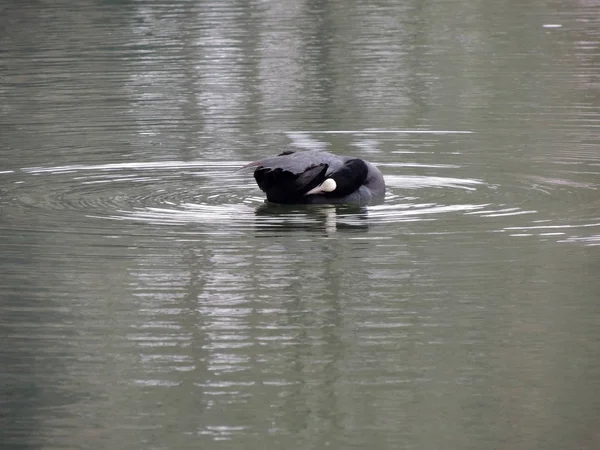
318 177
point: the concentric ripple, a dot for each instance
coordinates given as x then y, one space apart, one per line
120 191
216 197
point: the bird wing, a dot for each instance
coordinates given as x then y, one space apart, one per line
311 178
280 184
299 162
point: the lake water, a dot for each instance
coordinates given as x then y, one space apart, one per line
151 300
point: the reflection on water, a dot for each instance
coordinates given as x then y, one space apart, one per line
152 299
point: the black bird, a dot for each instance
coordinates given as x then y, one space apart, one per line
316 176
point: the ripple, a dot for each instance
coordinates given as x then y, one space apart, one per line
188 213
418 182
558 183
568 233
119 191
159 165
412 212
376 131
216 197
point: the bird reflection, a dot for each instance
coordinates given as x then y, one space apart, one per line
326 218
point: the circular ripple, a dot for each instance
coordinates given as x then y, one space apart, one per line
214 195
118 191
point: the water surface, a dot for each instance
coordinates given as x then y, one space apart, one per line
151 299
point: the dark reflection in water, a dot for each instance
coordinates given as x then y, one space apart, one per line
149 298
327 218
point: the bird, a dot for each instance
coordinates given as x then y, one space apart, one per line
318 177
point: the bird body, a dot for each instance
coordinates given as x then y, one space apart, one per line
318 177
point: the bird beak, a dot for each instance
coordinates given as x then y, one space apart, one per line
328 185
316 190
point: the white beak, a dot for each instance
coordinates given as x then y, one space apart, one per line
328 185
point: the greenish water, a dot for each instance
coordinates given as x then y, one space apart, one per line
149 299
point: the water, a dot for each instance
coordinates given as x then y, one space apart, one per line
150 299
